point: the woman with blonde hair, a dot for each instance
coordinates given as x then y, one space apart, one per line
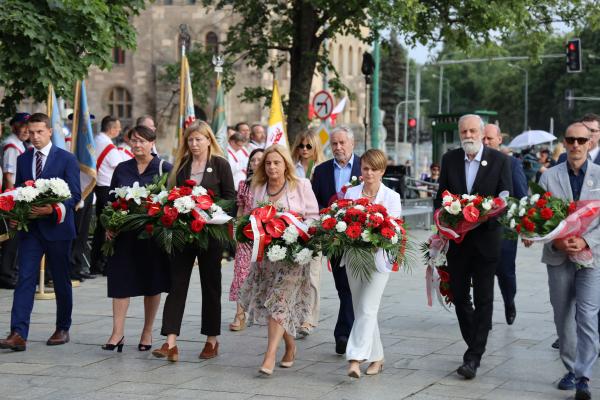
277 293
200 159
307 153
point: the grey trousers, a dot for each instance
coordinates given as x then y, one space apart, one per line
575 298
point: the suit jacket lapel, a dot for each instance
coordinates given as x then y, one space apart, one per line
597 160
49 161
28 174
564 182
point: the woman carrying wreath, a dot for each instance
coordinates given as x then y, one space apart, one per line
200 159
277 293
364 343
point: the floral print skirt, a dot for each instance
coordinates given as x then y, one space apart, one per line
241 269
277 290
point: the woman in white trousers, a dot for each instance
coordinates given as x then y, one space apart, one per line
364 343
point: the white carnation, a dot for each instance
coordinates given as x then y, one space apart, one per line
340 213
184 204
325 217
522 212
534 199
334 206
454 208
120 192
359 207
469 197
199 191
394 239
43 185
513 223
27 194
447 199
136 193
162 197
523 200
60 187
365 236
303 256
341 226
215 209
290 234
487 204
276 253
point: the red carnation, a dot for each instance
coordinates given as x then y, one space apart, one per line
325 210
344 189
518 228
275 227
329 223
197 225
546 213
444 275
149 228
312 230
498 202
29 183
531 212
123 204
204 202
572 207
185 191
115 205
541 203
375 220
471 213
548 195
477 201
171 212
190 182
167 220
7 203
362 201
353 231
387 232
343 203
530 226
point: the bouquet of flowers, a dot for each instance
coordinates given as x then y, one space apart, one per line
544 218
174 218
457 216
15 204
360 232
282 236
354 181
186 214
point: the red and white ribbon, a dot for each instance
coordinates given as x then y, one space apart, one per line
291 219
258 245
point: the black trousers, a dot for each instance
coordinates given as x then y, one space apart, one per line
507 278
345 318
79 250
9 270
209 262
468 263
98 260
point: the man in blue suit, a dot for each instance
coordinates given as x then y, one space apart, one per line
50 232
327 181
505 270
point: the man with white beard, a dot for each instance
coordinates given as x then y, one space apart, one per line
474 169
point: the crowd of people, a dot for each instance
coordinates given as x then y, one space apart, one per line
286 298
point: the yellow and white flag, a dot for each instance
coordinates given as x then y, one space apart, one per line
276 131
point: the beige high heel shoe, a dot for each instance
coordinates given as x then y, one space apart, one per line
354 370
288 364
241 317
374 368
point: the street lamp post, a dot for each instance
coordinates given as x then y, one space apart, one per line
525 96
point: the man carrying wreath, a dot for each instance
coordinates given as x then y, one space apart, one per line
474 169
50 232
575 290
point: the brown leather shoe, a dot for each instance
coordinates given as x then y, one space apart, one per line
59 337
209 351
171 354
14 341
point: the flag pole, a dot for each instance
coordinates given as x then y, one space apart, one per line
75 117
49 104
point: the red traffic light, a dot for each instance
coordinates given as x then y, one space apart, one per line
412 122
572 46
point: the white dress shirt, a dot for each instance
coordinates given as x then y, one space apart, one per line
45 151
11 149
114 157
471 168
238 161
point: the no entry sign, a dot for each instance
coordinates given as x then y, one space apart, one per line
323 104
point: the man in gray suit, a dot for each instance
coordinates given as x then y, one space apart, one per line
575 291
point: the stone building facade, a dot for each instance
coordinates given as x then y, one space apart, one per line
133 86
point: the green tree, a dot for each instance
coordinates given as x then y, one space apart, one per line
297 28
56 42
393 80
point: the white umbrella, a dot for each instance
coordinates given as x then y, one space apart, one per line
531 138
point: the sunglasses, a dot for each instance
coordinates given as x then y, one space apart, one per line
579 140
305 146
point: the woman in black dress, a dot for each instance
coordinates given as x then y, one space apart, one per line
200 159
138 267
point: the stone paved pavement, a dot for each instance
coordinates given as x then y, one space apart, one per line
423 349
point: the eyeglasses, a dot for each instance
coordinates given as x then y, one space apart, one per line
580 140
305 146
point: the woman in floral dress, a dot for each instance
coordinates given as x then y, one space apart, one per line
243 252
277 293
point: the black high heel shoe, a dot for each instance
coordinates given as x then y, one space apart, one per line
118 346
144 347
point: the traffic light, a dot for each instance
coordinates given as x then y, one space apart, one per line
573 51
412 123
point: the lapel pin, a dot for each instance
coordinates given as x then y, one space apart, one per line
484 163
209 169
590 183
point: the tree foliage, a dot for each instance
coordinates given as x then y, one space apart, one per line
56 42
295 30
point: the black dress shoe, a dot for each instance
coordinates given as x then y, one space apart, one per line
468 370
510 312
7 285
556 344
340 345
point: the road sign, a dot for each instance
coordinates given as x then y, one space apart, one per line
323 104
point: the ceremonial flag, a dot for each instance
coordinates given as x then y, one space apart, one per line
219 121
186 97
83 145
58 137
276 132
339 108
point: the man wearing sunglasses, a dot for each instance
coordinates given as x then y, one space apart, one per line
592 123
575 290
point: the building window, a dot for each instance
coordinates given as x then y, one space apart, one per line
350 61
168 2
190 2
118 56
119 104
211 42
341 60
